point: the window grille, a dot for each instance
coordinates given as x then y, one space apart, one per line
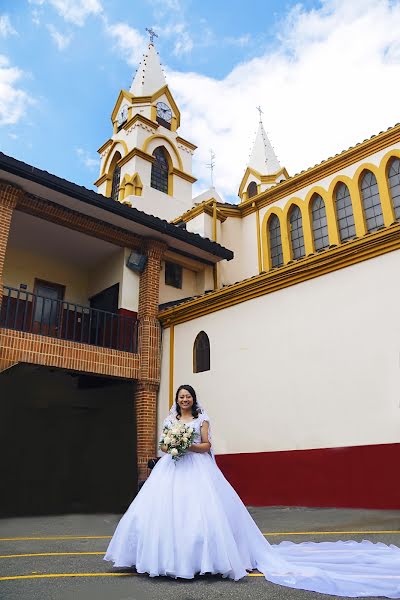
394 185
371 202
159 170
344 213
319 224
296 233
275 242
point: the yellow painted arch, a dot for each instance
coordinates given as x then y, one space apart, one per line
110 152
164 139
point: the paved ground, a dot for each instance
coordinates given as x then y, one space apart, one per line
60 558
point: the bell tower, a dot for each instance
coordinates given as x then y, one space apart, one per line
263 170
145 163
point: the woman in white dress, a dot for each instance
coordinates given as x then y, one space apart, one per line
187 519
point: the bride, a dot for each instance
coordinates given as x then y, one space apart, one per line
187 520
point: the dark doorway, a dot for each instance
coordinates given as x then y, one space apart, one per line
47 306
106 300
67 442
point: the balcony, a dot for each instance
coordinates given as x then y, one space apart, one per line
32 313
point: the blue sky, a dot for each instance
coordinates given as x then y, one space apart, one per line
63 62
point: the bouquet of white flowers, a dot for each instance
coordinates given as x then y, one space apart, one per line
177 439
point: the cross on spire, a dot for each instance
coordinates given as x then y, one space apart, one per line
152 34
260 110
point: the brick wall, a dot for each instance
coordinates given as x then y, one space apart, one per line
149 352
19 346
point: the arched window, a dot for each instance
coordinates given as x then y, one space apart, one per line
116 176
344 213
371 202
275 242
201 353
319 224
159 170
394 185
296 233
252 189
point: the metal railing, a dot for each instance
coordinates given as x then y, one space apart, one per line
25 311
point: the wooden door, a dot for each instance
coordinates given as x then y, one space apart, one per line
47 309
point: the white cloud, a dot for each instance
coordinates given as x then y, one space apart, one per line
62 41
6 28
73 11
86 159
13 101
331 80
128 41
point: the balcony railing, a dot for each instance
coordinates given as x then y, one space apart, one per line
33 313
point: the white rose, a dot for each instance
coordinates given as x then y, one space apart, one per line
174 452
167 440
190 430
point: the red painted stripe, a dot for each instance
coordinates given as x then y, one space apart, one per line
350 477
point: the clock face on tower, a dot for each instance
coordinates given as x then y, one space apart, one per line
164 112
122 115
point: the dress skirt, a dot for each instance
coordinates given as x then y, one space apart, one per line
187 519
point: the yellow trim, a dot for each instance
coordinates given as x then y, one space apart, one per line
214 214
171 364
131 186
223 212
113 164
56 575
110 153
101 179
180 140
123 94
261 178
259 251
136 152
157 136
184 175
350 253
104 146
141 119
176 119
328 167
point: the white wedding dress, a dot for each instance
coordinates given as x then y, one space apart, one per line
187 520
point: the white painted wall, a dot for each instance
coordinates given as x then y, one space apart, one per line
311 366
190 286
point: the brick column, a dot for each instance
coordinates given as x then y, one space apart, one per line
8 200
149 351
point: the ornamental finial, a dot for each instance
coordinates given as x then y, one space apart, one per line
152 35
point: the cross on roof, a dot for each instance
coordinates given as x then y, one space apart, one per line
152 34
260 110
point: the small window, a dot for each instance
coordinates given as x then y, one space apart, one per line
201 353
252 189
173 274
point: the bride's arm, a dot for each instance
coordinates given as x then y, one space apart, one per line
205 445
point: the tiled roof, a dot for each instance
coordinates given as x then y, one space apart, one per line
21 169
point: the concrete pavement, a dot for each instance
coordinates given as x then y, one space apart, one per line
61 557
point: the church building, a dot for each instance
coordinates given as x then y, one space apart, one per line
279 310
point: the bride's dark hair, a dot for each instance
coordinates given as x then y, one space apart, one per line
195 409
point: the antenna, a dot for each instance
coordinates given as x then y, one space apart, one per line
211 166
152 35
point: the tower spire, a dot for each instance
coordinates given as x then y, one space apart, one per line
149 77
263 158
